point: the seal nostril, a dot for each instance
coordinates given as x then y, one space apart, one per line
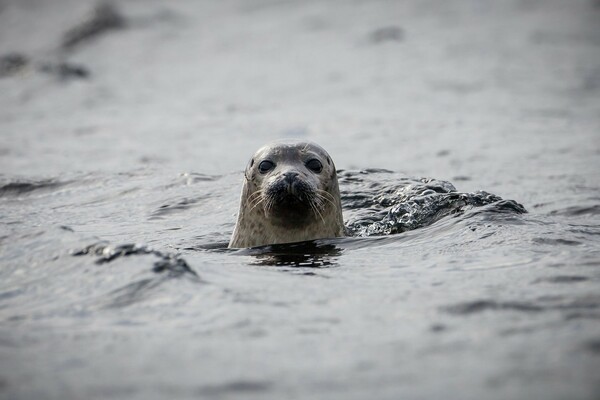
289 177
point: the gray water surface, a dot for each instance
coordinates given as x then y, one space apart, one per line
473 269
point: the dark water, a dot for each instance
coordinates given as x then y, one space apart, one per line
480 281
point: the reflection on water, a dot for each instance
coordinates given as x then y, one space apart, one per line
312 254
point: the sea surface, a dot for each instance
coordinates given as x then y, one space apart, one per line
467 140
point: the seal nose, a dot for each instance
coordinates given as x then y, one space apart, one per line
289 177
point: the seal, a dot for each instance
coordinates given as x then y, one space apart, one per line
290 194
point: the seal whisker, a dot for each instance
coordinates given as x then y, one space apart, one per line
268 205
253 196
253 200
316 210
326 193
260 200
319 201
256 193
320 194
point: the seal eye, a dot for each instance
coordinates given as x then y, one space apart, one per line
265 166
314 165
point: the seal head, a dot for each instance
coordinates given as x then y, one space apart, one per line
290 194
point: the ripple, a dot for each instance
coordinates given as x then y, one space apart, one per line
386 34
473 307
562 279
178 206
170 263
131 293
104 17
380 203
556 241
575 211
593 346
20 187
557 304
237 387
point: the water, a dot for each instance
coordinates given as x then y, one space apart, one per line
118 194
